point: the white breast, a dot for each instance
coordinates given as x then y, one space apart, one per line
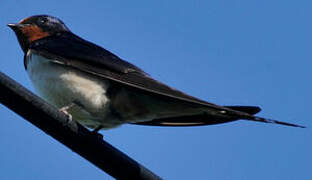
60 86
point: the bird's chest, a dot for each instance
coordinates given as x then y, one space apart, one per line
61 85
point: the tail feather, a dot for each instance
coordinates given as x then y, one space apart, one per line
265 120
246 109
228 114
192 120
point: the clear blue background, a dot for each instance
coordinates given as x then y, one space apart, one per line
229 52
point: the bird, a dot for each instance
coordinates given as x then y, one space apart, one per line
102 91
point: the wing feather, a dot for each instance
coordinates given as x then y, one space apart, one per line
71 50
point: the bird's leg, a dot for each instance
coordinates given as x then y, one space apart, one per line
70 118
65 110
96 131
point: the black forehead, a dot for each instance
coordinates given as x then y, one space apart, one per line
35 19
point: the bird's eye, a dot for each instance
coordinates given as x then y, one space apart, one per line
42 21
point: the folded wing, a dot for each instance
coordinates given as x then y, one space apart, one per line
75 52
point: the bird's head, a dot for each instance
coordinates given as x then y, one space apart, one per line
37 27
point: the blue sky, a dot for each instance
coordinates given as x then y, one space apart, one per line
229 52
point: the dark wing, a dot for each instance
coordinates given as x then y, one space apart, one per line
71 50
69 46
200 119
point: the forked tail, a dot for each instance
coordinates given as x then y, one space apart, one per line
265 120
230 113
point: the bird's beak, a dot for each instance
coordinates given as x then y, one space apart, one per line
13 26
16 26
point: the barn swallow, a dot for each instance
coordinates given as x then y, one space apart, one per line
102 91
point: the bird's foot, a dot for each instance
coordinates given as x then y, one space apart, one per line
65 111
96 132
68 115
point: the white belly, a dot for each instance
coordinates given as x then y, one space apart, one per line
61 86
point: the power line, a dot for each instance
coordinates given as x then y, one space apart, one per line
70 133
